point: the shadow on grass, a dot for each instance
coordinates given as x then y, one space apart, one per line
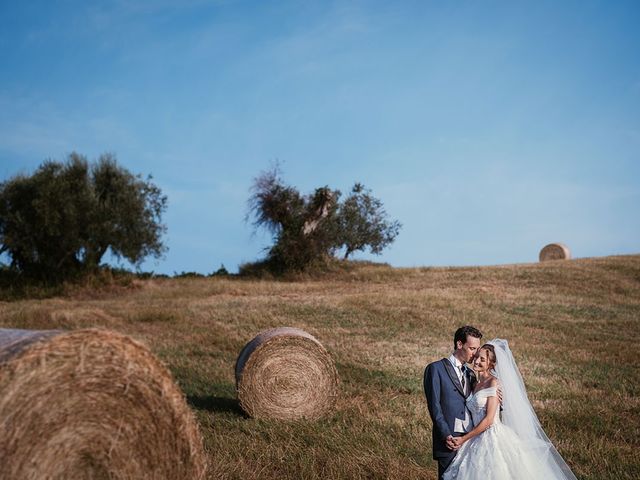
216 404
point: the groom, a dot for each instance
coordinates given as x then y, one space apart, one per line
447 383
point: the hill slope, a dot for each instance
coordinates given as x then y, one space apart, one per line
573 327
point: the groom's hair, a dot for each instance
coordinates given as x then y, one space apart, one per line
462 333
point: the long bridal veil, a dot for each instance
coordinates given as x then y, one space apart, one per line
518 414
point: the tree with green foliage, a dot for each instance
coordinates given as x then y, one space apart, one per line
62 219
298 223
362 222
311 228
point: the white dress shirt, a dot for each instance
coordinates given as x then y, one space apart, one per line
461 425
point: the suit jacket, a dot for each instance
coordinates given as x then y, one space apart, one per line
446 402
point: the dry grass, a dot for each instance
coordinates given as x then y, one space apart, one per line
572 325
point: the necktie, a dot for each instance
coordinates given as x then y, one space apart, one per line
463 380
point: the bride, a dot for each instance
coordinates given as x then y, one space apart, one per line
514 448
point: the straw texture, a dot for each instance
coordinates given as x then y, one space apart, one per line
91 404
286 374
555 251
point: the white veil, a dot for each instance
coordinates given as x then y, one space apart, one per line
518 414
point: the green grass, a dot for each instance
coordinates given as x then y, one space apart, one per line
573 327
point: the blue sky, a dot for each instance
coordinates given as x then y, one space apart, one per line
488 128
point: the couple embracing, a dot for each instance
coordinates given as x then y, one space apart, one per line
483 423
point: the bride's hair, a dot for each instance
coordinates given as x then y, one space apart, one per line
491 354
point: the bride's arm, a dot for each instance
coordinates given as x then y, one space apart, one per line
485 423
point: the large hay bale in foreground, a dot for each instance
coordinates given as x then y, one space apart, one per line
286 374
91 404
555 251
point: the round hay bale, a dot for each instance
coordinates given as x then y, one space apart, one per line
286 374
91 404
555 251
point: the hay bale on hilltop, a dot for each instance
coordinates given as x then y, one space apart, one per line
555 251
91 404
286 374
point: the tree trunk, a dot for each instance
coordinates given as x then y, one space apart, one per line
93 256
321 212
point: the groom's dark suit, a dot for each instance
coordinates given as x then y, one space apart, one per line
446 402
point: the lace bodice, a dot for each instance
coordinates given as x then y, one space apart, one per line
477 404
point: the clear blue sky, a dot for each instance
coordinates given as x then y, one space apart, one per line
488 128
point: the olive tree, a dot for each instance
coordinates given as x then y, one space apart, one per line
64 217
363 223
307 228
298 223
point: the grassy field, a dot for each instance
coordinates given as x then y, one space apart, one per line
573 326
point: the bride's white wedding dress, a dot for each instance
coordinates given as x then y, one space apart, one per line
514 446
496 454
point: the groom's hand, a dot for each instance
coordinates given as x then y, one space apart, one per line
451 443
457 441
